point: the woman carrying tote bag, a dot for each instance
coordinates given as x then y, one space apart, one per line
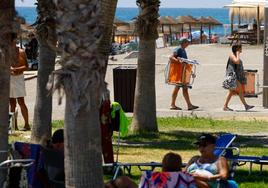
235 69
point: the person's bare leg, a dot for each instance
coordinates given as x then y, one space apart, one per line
241 96
227 100
125 182
174 96
187 99
24 112
12 102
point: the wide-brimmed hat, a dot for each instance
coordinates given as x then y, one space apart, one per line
183 40
206 138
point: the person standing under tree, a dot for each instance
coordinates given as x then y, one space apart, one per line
181 53
17 83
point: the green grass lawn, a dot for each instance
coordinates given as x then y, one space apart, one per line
178 134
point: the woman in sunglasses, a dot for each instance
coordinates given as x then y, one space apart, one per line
208 168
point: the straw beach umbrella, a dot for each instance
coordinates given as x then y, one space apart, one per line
213 22
187 20
119 22
168 21
203 22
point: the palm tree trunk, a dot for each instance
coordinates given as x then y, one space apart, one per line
47 39
144 118
107 12
81 78
7 14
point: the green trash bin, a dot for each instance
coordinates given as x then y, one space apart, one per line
124 86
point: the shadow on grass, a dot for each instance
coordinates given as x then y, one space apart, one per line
243 176
183 140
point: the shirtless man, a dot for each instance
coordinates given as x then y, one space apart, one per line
17 84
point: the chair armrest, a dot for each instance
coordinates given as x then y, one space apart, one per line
230 148
17 162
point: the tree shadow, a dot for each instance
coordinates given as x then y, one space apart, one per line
243 176
183 140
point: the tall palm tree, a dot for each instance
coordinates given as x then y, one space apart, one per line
107 12
80 76
7 14
144 117
47 38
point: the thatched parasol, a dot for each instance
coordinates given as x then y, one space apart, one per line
163 20
213 21
187 20
169 22
204 21
119 22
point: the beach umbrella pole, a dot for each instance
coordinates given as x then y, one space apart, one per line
258 25
265 60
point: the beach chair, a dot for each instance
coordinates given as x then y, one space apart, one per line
28 151
223 144
16 171
263 160
180 74
224 148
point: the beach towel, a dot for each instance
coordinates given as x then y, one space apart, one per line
151 179
17 86
123 122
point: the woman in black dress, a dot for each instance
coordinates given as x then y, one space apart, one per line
235 64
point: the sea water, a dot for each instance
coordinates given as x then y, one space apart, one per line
127 14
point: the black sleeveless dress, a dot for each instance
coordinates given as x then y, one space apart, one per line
238 69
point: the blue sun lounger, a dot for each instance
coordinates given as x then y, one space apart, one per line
224 148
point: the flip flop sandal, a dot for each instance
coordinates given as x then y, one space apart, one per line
175 108
227 109
193 108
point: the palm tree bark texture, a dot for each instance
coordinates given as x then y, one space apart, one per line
7 15
47 38
144 117
80 77
108 8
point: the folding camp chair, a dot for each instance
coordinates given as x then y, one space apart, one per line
262 161
223 144
236 159
16 176
29 151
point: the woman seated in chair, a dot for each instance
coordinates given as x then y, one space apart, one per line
50 172
208 168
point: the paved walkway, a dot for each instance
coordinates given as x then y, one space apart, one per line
206 93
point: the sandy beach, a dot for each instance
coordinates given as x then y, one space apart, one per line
206 93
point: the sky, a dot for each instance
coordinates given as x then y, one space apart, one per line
164 3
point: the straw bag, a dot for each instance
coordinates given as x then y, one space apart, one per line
230 81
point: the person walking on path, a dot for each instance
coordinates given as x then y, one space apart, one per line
17 84
235 64
181 53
